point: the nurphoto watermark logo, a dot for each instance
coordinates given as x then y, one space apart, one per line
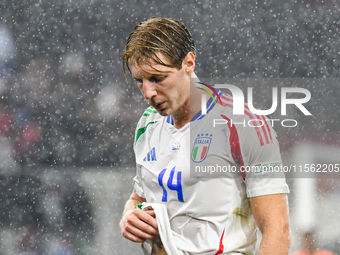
241 107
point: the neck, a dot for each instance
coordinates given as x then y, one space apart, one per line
190 108
180 121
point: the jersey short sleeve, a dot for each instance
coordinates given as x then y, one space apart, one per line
148 119
262 163
138 184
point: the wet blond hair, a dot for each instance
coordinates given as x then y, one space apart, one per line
166 36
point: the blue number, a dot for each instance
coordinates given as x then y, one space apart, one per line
171 185
160 181
176 186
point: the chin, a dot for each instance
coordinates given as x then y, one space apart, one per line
164 112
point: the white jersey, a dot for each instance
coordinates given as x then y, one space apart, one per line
192 171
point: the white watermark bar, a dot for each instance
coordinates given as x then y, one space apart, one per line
240 118
239 100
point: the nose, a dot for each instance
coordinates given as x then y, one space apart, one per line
149 90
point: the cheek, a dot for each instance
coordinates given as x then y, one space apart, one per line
180 97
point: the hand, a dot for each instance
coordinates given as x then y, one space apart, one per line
138 225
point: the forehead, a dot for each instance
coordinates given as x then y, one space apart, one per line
149 68
153 65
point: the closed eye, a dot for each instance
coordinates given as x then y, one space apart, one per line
139 82
154 79
157 78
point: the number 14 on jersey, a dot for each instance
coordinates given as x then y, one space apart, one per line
171 184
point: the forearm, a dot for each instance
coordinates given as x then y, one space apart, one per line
272 218
130 205
275 242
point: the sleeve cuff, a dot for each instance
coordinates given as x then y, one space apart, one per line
268 191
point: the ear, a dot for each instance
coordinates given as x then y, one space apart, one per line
189 63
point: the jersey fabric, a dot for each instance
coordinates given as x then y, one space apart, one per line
187 170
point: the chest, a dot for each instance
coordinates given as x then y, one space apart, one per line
168 160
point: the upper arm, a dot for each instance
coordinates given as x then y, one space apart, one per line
271 211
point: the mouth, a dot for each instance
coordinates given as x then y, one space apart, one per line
159 105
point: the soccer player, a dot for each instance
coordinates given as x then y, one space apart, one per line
186 212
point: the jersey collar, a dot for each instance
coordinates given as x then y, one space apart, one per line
210 105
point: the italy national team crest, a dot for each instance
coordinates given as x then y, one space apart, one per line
201 147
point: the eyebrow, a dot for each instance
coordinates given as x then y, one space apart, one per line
151 76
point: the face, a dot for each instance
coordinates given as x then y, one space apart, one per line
166 89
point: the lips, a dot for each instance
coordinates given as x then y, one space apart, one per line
159 105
